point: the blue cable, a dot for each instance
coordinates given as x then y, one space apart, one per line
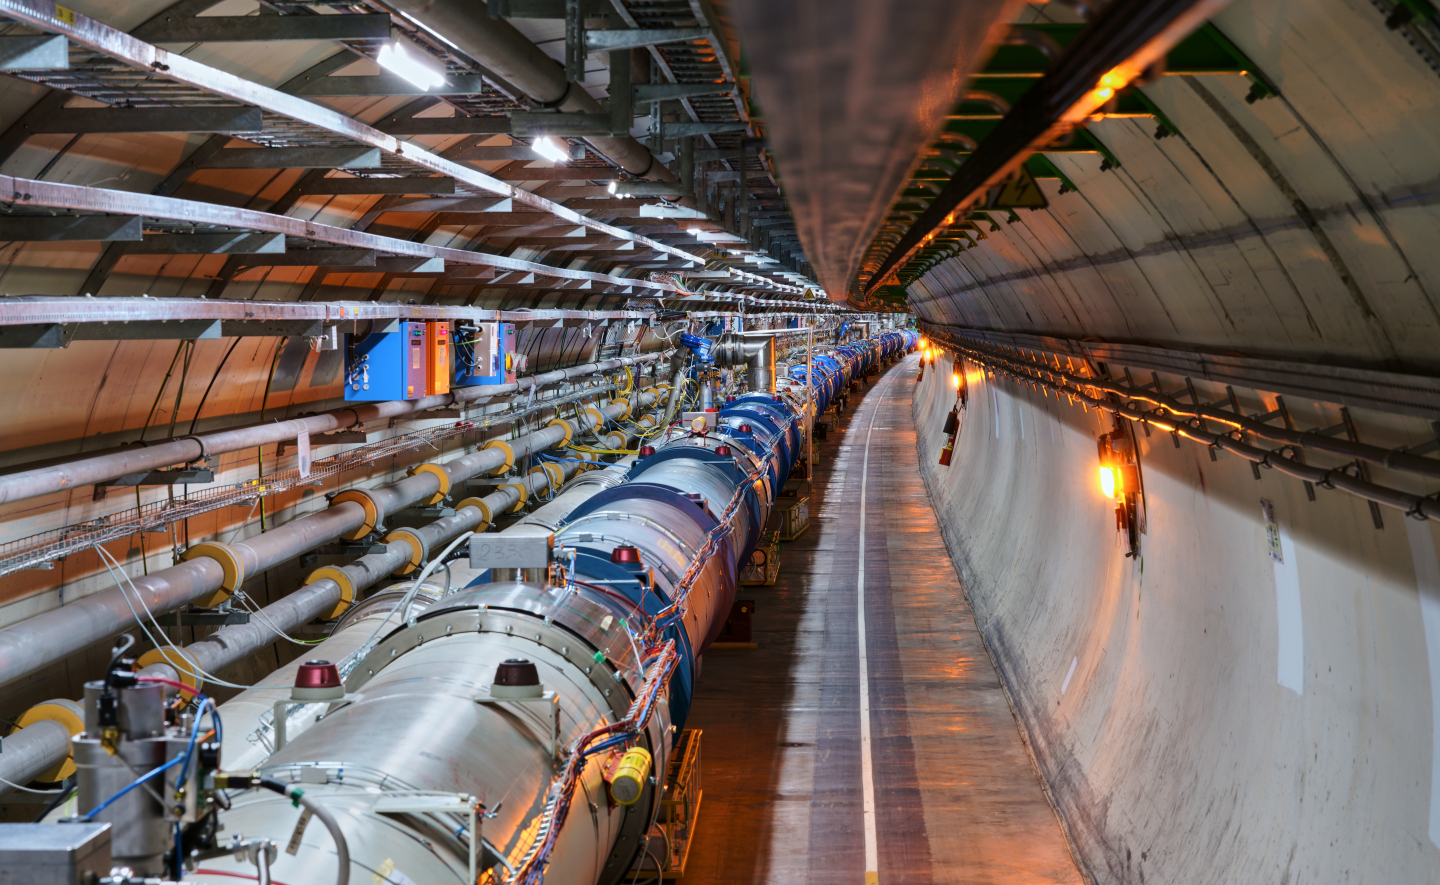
133 784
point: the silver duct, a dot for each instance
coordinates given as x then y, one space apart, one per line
496 43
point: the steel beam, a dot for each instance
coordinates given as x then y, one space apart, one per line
96 120
208 244
158 63
675 91
529 124
603 41
306 258
147 330
464 205
683 128
488 125
390 84
293 158
93 228
488 152
544 8
268 28
31 53
52 195
378 186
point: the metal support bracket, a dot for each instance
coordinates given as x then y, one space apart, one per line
180 476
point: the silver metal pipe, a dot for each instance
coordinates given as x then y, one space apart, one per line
498 45
32 751
760 365
49 637
101 468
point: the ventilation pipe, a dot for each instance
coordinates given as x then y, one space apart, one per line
498 45
753 350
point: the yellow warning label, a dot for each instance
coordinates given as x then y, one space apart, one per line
1021 192
65 14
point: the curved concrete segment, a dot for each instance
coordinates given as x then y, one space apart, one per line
1219 708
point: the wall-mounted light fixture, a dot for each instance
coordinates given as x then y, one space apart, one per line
1120 481
952 420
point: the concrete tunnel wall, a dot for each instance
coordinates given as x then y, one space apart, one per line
1201 707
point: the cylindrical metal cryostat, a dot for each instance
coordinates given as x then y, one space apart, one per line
434 708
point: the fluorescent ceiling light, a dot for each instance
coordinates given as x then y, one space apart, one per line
550 149
409 61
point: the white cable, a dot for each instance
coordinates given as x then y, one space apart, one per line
105 559
254 609
14 786
404 607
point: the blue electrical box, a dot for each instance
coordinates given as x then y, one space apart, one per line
485 354
386 365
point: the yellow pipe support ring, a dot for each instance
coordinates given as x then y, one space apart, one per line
441 476
615 440
503 446
630 775
478 504
646 421
553 474
562 423
177 659
597 416
229 560
520 491
347 589
626 413
419 550
373 515
69 714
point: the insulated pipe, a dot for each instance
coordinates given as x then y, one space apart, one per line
36 750
32 751
499 46
49 637
137 459
235 642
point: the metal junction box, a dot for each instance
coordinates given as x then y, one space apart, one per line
486 354
391 364
54 854
437 355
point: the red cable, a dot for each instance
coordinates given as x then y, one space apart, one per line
179 686
235 875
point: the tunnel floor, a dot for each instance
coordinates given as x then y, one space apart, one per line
956 798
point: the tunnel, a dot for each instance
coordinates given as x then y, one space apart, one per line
733 442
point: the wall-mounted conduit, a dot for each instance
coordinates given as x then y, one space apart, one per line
1188 421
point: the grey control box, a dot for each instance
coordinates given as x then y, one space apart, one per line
510 551
54 854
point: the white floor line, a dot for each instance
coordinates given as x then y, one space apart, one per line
867 765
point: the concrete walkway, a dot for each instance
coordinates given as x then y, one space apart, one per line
956 799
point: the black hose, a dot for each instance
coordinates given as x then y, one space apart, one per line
65 794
